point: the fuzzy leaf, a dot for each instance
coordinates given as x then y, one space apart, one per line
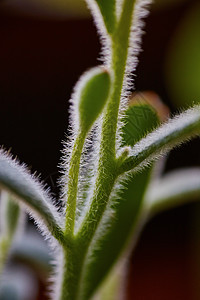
92 93
174 132
9 213
109 245
11 225
123 219
34 252
173 189
17 180
139 120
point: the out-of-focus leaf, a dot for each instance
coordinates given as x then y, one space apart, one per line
34 252
125 210
11 225
19 283
183 61
113 287
9 213
111 245
173 189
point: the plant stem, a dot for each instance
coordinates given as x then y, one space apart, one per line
73 183
72 266
107 169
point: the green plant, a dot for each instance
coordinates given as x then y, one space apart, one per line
112 150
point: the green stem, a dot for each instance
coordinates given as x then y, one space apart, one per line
73 184
72 266
107 170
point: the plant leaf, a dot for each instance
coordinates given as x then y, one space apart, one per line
17 180
92 92
9 215
11 222
109 244
34 252
171 134
173 189
139 120
124 216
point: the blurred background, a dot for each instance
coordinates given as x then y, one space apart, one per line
45 45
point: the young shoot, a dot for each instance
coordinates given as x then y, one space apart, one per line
109 188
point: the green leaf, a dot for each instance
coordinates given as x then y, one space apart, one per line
33 251
113 287
124 215
16 179
108 11
109 245
173 189
11 225
141 119
9 215
92 93
171 134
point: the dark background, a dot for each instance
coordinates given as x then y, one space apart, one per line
41 59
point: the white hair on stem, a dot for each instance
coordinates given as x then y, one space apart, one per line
89 157
88 171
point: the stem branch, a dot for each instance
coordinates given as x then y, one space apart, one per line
73 184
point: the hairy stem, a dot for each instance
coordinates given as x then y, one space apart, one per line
107 169
107 172
72 266
108 165
73 184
